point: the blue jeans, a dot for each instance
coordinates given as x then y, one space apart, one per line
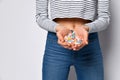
88 61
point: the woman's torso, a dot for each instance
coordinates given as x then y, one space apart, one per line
71 22
82 9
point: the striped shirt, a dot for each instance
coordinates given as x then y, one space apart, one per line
95 10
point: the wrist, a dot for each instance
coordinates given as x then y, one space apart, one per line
57 28
86 28
83 26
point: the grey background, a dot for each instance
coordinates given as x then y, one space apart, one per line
22 42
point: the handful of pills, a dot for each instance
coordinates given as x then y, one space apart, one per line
71 38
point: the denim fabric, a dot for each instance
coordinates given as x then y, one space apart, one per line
88 61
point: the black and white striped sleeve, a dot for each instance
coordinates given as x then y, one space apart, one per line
42 16
103 19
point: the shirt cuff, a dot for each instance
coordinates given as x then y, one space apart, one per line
54 27
90 27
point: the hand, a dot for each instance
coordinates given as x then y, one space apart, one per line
61 32
82 33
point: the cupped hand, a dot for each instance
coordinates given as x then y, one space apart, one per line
82 33
61 32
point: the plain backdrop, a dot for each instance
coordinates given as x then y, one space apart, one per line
22 42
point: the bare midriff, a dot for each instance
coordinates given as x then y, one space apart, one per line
71 23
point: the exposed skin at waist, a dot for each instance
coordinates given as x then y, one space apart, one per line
71 23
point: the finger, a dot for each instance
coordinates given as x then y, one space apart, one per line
80 45
79 35
62 43
86 38
83 43
69 48
75 46
66 46
60 37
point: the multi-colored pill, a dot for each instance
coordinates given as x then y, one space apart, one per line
71 38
